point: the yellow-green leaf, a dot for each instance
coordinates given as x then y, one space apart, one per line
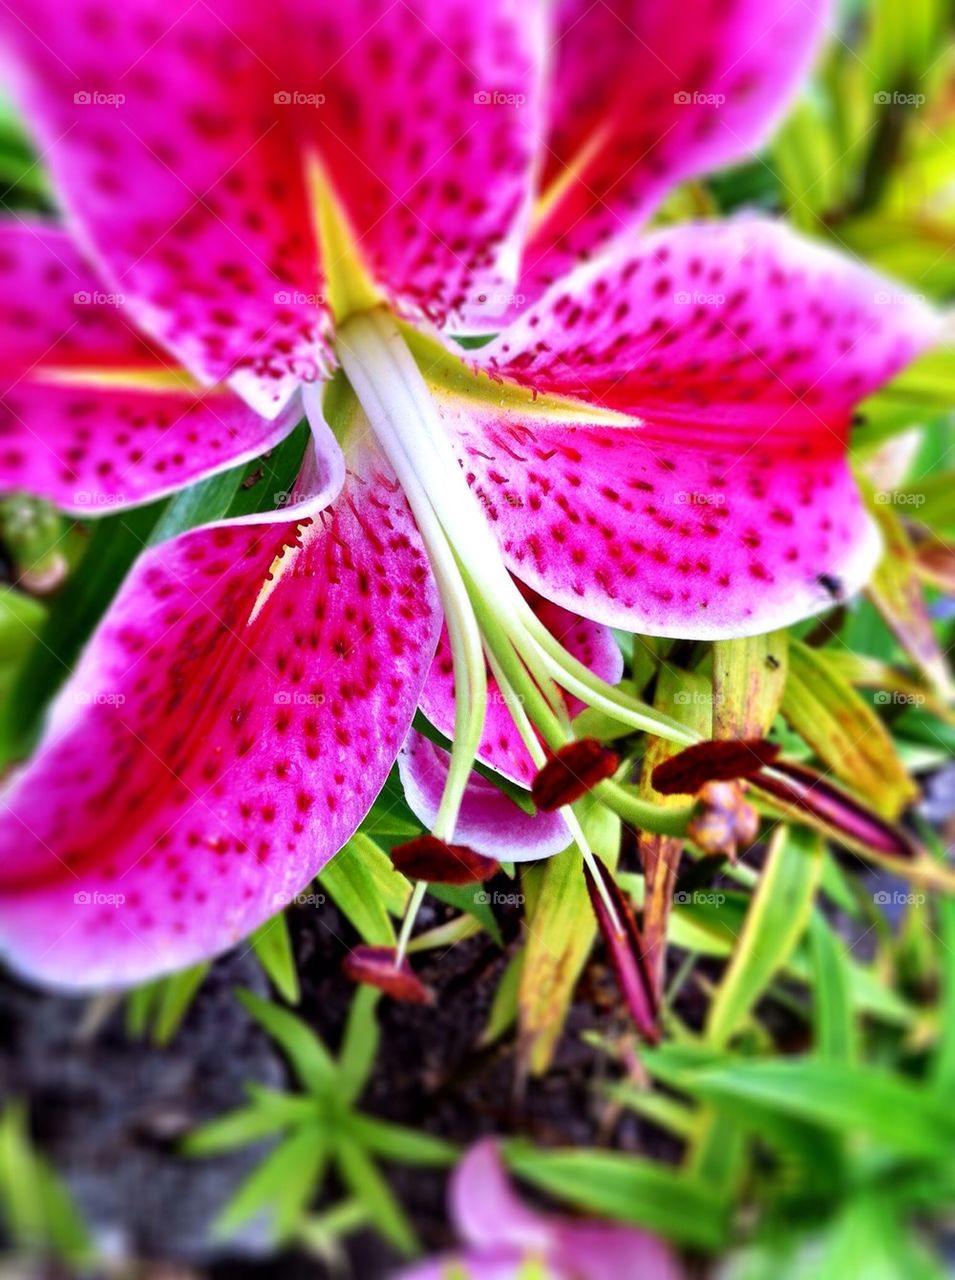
777 916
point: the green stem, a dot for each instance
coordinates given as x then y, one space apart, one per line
643 814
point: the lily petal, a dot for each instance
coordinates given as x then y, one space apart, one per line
91 416
227 728
180 137
679 466
501 745
640 102
489 822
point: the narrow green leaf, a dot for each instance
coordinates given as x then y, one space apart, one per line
777 916
359 1047
395 1142
369 1187
207 500
473 899
503 1011
273 946
627 1188
140 1004
282 1185
310 1059
238 1128
560 935
175 996
834 1024
364 885
844 731
836 1096
867 1239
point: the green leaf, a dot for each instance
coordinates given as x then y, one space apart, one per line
369 1187
749 676
282 1185
627 1188
310 1059
266 483
114 544
174 997
140 1004
395 1142
364 885
833 1017
867 1239
844 731
812 1154
359 1047
239 1128
273 946
38 1211
503 1012
835 1096
777 916
561 931
471 899
200 503
896 592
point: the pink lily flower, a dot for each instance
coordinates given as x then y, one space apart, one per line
504 1239
657 441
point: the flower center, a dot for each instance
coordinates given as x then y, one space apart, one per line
490 624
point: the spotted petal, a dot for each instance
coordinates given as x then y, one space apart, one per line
677 461
640 102
92 416
225 731
180 137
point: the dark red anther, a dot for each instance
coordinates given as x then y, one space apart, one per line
572 772
428 858
719 761
378 967
627 953
810 792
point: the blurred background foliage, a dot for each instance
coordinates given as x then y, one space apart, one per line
813 1106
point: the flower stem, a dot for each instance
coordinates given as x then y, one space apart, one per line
407 924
